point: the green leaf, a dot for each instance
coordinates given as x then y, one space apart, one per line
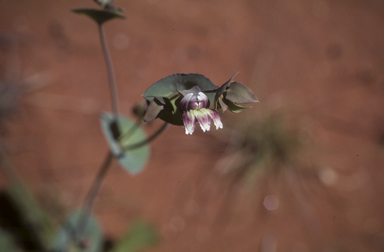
168 86
7 243
235 108
100 15
240 94
153 110
141 235
32 215
68 237
220 92
127 134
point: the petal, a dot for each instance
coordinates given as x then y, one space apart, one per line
189 120
202 116
184 103
203 99
216 119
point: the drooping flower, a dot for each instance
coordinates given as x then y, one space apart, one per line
195 108
163 97
184 99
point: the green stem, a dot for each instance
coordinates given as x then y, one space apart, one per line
94 191
147 140
75 234
111 75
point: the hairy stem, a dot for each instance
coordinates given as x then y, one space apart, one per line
111 74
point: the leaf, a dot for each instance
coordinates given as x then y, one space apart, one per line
129 134
235 108
153 110
68 237
220 91
142 234
240 94
100 15
168 86
33 216
7 243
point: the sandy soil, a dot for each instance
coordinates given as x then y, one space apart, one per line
319 62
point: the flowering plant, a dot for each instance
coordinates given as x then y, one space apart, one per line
184 99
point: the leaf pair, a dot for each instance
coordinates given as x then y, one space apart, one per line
106 13
121 133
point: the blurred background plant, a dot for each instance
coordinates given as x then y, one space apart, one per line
323 56
25 225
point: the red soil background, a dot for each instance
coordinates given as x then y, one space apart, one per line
319 61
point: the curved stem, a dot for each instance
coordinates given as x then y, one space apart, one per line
93 192
111 75
147 140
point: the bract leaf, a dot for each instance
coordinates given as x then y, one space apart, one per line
239 93
153 110
221 90
100 15
140 235
168 86
70 238
128 134
222 105
104 3
235 108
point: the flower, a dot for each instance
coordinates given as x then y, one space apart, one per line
195 108
163 97
184 99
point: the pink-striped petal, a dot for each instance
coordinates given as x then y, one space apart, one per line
203 99
189 120
184 103
216 119
202 116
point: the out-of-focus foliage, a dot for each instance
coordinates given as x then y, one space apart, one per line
259 144
7 242
121 133
106 13
79 234
140 235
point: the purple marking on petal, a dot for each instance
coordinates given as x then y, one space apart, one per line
184 103
204 100
189 120
216 119
193 103
202 116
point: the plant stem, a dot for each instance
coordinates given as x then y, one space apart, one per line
95 188
111 74
93 192
147 140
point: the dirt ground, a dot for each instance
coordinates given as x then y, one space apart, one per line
320 62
